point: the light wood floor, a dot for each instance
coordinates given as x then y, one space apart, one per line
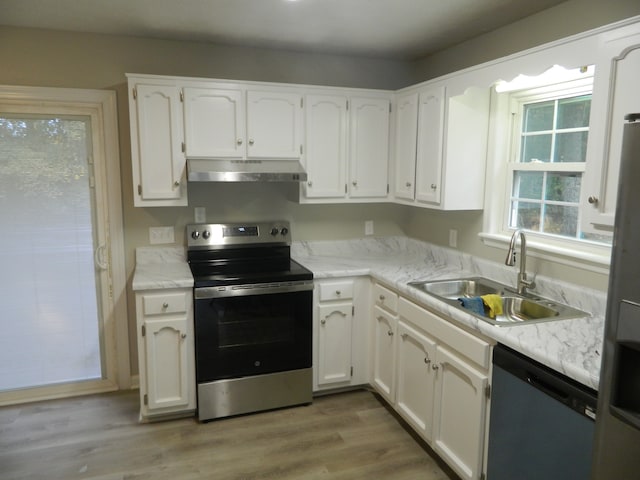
342 436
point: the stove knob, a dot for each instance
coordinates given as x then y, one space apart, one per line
206 234
284 230
274 231
195 235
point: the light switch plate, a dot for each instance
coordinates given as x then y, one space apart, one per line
200 214
453 238
368 227
160 235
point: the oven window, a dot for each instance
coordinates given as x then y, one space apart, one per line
254 321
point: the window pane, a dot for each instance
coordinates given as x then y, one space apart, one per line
574 112
538 116
561 220
525 215
563 187
527 185
571 147
536 148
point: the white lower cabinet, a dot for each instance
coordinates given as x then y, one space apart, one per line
436 376
166 353
340 340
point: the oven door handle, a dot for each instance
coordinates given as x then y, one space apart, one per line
251 289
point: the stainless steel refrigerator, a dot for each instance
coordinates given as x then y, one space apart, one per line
617 436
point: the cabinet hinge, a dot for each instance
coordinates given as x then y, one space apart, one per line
487 391
182 96
347 104
390 106
387 188
352 370
301 102
146 399
345 188
483 476
135 93
184 147
139 189
353 310
301 150
144 330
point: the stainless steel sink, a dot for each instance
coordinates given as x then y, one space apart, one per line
518 309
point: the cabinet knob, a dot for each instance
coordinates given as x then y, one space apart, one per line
184 335
176 183
390 333
323 321
310 184
338 292
433 186
593 200
239 141
435 366
408 184
251 142
427 361
165 305
381 297
355 184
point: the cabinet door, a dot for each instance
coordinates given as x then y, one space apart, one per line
326 146
615 94
416 379
167 363
274 125
158 160
384 354
334 343
459 414
214 122
369 147
405 147
431 114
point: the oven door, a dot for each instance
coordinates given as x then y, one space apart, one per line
245 330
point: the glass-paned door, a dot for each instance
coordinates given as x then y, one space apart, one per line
50 272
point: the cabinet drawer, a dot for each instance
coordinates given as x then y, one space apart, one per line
385 298
336 290
474 348
161 303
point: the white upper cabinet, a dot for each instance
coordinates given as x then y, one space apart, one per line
440 147
347 147
429 157
225 122
615 94
405 145
326 145
214 121
369 147
274 125
158 161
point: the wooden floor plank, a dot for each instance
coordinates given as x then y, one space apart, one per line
338 437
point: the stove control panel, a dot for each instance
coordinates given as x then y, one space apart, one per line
212 235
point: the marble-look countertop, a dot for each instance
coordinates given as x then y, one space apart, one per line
571 346
160 268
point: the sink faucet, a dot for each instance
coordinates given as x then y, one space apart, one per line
523 283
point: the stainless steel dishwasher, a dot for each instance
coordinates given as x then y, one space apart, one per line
541 424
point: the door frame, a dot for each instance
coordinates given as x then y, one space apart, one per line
101 107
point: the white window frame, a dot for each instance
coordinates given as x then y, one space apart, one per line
504 151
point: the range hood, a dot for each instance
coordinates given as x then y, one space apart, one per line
218 170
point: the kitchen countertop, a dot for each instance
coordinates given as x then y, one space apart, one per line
570 346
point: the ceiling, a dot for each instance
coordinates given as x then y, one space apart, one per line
399 29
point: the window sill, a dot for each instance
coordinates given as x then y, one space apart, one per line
593 258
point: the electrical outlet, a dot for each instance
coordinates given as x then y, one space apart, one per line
200 214
160 235
453 238
368 227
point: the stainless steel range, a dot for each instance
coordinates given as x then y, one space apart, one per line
253 318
